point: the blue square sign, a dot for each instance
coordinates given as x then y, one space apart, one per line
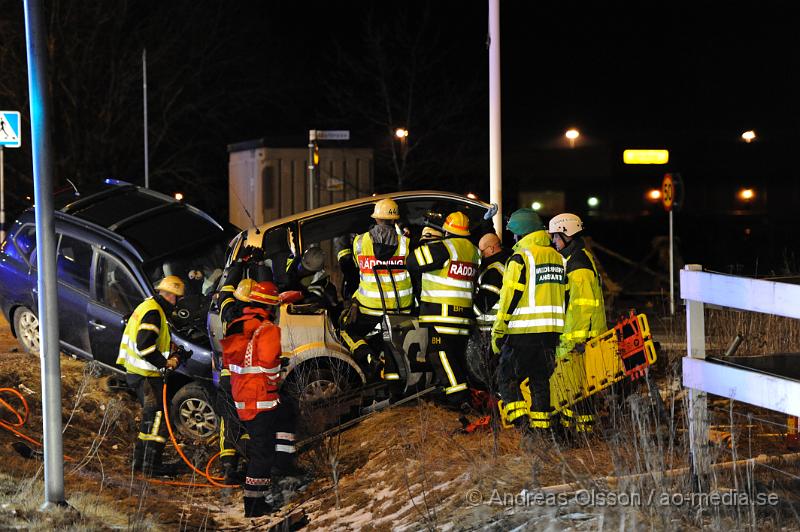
10 136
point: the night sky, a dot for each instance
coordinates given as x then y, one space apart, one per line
687 76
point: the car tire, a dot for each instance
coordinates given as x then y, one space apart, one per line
317 383
26 327
192 412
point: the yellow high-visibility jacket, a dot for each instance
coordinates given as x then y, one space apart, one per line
369 292
533 294
129 354
586 313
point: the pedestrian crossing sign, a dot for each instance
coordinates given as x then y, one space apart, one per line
10 129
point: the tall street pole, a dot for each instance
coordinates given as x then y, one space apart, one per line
144 98
2 197
46 255
495 143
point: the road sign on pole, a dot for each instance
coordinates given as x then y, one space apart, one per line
671 198
313 154
333 134
10 136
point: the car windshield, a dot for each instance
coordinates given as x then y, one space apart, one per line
199 267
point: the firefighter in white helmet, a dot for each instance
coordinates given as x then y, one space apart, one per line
145 350
449 266
586 315
382 245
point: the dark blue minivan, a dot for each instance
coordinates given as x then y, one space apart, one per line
113 247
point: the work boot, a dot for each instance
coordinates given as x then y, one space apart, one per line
257 506
138 455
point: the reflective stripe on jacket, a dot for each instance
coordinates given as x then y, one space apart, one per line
129 355
485 320
369 291
533 294
586 314
454 283
254 360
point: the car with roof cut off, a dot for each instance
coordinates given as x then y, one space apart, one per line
113 246
319 365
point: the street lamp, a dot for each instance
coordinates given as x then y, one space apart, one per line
536 205
572 134
593 201
654 194
747 194
401 133
179 196
749 136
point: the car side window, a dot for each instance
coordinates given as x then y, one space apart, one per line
74 262
25 240
115 286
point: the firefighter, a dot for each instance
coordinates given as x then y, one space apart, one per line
530 318
429 234
309 277
449 267
381 245
343 247
232 436
490 280
586 314
252 352
145 351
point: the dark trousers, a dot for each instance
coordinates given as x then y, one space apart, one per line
446 354
153 428
271 446
232 434
532 357
353 336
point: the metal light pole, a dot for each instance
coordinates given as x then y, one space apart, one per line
144 98
312 144
495 143
45 256
2 197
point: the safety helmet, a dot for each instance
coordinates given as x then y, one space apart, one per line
313 259
242 292
264 293
429 233
567 223
386 209
172 284
457 223
524 221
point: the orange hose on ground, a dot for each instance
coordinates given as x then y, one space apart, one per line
205 474
21 419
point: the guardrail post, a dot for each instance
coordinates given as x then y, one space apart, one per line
698 407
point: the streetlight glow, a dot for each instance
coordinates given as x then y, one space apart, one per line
572 134
748 136
654 194
470 195
536 205
747 194
178 196
401 133
593 202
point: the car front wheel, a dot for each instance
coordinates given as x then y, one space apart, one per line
192 412
26 325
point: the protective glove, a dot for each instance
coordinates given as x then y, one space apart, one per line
349 315
172 362
497 343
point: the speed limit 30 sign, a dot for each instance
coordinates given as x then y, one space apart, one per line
667 192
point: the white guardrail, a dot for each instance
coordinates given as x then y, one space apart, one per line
701 376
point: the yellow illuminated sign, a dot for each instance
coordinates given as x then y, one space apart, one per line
645 156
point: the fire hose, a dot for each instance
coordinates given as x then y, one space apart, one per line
22 418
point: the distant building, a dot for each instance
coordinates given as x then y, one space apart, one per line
268 178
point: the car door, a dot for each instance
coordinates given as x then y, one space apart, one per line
73 263
116 295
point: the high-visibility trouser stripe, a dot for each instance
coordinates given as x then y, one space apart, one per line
281 448
542 322
445 319
288 436
225 303
153 434
390 376
352 345
448 371
149 327
447 281
455 294
222 437
255 481
247 370
344 253
576 335
441 329
585 302
259 404
379 312
150 437
227 452
454 389
389 293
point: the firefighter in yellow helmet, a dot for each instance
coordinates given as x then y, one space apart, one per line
145 350
586 313
381 245
530 318
449 266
